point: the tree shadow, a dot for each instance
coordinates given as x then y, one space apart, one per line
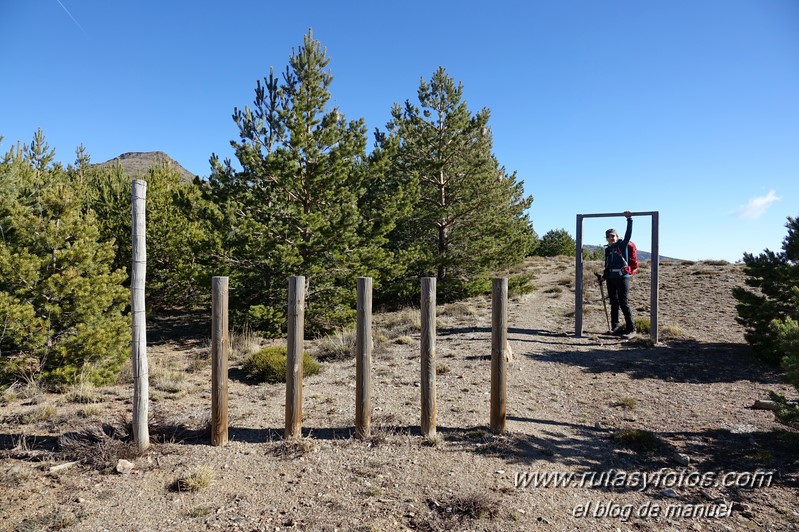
676 361
186 328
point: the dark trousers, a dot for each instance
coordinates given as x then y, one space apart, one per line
618 292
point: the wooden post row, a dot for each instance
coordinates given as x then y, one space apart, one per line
219 360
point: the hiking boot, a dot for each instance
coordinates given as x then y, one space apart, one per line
618 330
628 334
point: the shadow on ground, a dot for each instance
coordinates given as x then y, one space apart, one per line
672 361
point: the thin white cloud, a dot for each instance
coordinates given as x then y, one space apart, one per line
756 207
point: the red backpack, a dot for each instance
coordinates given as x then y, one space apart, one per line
632 259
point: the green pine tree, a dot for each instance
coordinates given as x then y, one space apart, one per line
181 241
304 201
558 242
61 304
468 218
774 278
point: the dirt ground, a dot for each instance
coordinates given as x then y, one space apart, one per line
657 437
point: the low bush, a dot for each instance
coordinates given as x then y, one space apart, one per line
269 365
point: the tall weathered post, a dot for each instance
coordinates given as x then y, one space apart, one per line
363 359
141 385
295 344
219 360
428 348
499 339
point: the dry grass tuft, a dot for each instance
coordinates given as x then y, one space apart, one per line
337 346
201 478
293 448
401 323
243 343
627 403
672 331
83 392
639 440
459 309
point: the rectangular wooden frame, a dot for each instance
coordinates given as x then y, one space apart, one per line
578 284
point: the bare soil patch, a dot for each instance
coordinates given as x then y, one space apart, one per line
585 405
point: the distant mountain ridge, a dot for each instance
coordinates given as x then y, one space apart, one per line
136 164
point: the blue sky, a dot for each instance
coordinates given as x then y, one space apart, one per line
685 107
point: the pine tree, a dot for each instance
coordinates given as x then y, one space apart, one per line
468 217
294 208
61 304
558 242
180 239
774 277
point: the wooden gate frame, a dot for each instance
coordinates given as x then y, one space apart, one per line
578 284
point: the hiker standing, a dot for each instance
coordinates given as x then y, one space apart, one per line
617 276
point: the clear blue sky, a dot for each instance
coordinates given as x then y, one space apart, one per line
686 107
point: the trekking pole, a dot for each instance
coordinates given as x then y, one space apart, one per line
604 303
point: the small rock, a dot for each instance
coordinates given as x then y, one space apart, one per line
500 472
763 404
740 507
668 492
683 459
124 467
598 426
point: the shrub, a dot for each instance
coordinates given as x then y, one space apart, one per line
269 365
787 333
774 277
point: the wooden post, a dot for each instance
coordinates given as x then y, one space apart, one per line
655 284
499 338
578 279
363 360
141 373
219 360
295 344
428 382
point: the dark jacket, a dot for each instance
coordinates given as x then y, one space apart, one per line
616 255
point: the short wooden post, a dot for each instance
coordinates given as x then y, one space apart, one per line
428 341
363 359
138 274
295 344
219 360
499 338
